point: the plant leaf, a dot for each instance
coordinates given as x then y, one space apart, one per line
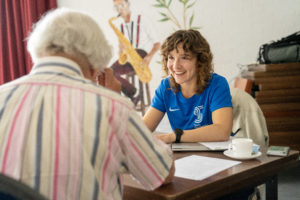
192 4
158 6
170 1
196 27
162 3
191 20
163 14
164 19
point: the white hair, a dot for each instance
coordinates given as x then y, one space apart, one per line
68 31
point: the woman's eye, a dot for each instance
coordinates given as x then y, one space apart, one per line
186 57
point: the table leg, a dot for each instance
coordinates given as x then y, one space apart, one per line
272 188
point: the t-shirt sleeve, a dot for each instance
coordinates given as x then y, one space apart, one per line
221 96
158 100
147 159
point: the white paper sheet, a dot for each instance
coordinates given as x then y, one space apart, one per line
200 167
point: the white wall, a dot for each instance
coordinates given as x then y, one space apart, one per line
234 28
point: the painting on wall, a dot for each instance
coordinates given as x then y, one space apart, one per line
137 45
138 42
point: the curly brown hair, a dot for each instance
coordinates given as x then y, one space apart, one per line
193 42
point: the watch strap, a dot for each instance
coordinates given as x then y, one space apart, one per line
178 132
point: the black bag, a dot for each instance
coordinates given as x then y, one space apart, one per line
282 51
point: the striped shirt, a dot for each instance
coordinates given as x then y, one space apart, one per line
71 139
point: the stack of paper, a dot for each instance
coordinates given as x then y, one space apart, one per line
200 167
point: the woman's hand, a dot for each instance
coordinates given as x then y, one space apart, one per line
166 137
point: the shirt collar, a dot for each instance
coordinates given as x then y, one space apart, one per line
57 63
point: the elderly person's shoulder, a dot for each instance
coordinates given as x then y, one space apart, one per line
110 95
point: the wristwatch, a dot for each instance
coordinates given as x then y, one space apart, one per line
178 132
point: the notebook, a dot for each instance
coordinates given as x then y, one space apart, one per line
201 146
188 147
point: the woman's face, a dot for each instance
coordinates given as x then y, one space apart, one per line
182 66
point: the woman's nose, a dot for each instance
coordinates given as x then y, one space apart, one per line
176 63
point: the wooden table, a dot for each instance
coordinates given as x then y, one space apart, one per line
248 174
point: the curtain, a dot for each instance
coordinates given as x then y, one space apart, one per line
16 19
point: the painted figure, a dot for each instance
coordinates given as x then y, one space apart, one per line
138 30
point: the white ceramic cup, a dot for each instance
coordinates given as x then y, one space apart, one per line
241 147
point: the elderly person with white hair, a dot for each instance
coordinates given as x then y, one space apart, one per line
64 135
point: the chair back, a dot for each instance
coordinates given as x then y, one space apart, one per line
11 189
248 117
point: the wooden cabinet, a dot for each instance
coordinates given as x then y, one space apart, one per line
278 94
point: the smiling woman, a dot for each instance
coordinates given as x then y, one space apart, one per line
190 44
181 66
196 100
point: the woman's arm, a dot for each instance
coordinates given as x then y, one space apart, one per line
152 118
218 131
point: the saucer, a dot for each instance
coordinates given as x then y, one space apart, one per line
231 155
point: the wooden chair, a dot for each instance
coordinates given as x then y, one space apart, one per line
143 92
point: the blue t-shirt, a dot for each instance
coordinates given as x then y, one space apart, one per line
196 111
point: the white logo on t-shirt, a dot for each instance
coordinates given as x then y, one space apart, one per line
199 116
174 109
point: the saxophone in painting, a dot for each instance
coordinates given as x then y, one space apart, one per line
130 54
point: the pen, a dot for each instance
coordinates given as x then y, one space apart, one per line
233 134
